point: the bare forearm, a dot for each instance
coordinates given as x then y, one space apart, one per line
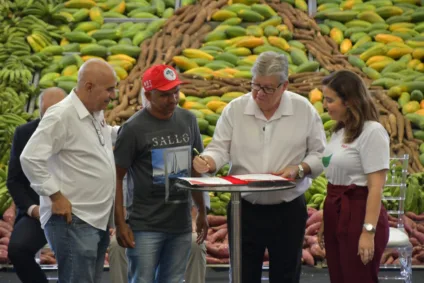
119 204
199 201
373 206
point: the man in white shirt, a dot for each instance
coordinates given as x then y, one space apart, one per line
270 130
69 163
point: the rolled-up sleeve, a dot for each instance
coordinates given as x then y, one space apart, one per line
219 147
47 141
316 143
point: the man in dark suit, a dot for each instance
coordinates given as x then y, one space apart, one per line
27 236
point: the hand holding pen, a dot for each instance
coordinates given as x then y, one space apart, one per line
200 163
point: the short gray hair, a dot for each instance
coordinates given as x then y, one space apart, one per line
271 63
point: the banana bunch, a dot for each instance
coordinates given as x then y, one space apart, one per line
13 102
39 34
41 8
14 71
5 198
50 10
316 194
15 46
8 124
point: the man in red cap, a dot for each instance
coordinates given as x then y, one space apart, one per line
154 146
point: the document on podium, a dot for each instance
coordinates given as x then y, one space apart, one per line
238 180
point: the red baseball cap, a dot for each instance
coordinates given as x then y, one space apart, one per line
160 77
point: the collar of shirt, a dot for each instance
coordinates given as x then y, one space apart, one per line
80 107
284 109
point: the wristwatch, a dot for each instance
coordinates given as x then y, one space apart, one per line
369 228
301 173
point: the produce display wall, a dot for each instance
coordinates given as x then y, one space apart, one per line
214 44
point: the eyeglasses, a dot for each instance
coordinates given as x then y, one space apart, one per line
266 90
98 131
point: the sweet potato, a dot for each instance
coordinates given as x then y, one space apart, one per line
210 231
3 247
420 227
414 241
416 217
317 252
218 235
390 260
420 256
420 236
214 220
316 217
307 257
409 224
311 211
4 232
311 240
417 250
313 229
6 225
4 241
220 227
10 214
384 257
393 224
225 260
218 250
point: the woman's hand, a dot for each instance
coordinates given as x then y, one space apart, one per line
366 247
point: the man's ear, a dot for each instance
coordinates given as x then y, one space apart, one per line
88 86
285 85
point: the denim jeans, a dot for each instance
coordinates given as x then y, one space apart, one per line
79 249
158 257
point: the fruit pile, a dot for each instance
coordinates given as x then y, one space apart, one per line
385 40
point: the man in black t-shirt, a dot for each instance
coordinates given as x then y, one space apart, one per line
154 147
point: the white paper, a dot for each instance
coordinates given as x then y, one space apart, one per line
205 181
259 177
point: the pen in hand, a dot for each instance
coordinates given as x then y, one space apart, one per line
201 157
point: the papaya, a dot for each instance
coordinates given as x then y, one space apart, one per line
410 107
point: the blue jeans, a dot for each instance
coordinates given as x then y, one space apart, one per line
79 249
158 257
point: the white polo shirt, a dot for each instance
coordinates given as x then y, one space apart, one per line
253 144
66 154
347 164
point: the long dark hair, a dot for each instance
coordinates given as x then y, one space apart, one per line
352 90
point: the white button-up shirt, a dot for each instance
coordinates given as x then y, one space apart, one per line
253 144
66 154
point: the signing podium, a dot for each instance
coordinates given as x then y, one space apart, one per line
236 185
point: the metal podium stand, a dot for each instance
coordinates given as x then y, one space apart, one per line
235 240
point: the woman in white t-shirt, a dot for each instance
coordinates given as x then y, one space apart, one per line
356 160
